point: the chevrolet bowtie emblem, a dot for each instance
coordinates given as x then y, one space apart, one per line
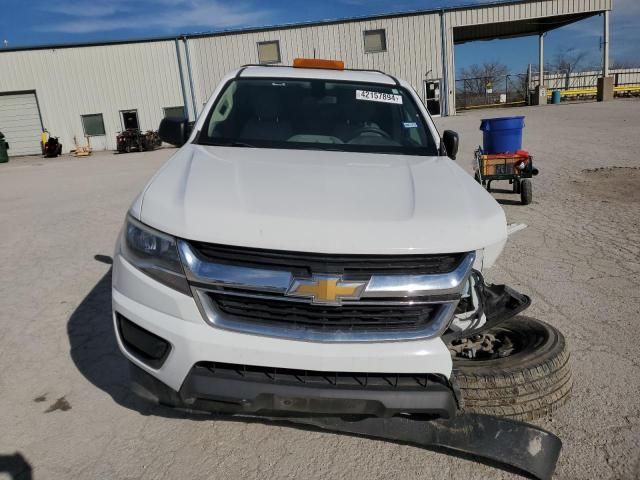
326 289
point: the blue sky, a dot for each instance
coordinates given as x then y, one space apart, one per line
32 22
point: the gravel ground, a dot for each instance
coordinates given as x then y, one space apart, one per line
64 403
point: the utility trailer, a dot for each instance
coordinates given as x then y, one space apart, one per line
516 167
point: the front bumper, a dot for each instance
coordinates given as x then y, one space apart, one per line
175 318
232 388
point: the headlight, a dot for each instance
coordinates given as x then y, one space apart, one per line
154 253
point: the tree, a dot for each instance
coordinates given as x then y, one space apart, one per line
567 61
477 78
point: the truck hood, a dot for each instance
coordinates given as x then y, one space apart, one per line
320 201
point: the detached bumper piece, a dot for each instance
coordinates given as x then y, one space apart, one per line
498 442
232 388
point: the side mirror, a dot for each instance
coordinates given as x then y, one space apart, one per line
175 131
450 141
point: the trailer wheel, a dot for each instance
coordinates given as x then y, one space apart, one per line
526 191
516 185
529 379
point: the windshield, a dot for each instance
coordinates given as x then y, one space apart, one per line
317 114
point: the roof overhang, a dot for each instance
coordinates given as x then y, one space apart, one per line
518 28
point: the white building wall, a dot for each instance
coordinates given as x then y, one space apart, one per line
71 82
413 49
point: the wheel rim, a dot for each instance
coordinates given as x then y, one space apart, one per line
496 344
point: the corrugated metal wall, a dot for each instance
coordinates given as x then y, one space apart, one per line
413 49
523 11
71 82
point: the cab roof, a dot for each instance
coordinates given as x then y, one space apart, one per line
266 71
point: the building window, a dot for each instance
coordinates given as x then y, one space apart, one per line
130 119
269 52
375 41
174 112
93 124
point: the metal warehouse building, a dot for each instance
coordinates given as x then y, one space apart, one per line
100 89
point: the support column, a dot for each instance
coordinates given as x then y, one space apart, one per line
605 83
444 88
605 46
541 91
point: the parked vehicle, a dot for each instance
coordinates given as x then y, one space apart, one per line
133 139
313 249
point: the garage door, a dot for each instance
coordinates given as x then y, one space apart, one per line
20 123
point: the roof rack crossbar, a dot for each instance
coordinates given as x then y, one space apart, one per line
242 69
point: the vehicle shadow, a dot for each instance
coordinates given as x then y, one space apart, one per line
506 201
93 346
501 190
95 353
15 467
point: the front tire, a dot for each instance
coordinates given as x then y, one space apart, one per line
530 383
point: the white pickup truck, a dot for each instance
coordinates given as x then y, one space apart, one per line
313 248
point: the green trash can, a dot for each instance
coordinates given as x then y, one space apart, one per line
556 97
4 146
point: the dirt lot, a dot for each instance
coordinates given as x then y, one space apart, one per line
64 402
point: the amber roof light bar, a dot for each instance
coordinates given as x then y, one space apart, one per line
318 63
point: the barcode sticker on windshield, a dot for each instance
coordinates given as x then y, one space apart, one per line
378 97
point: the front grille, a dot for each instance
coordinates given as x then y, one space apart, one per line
353 266
358 316
311 378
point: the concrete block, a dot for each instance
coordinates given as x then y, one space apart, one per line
540 97
605 89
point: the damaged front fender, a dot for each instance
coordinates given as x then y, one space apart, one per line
491 305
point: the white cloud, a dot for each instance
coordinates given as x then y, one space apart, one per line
164 15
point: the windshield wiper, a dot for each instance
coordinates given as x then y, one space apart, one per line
229 144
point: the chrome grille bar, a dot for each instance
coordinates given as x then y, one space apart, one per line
278 281
436 326
394 293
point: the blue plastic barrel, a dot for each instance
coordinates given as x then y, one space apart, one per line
502 135
556 97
